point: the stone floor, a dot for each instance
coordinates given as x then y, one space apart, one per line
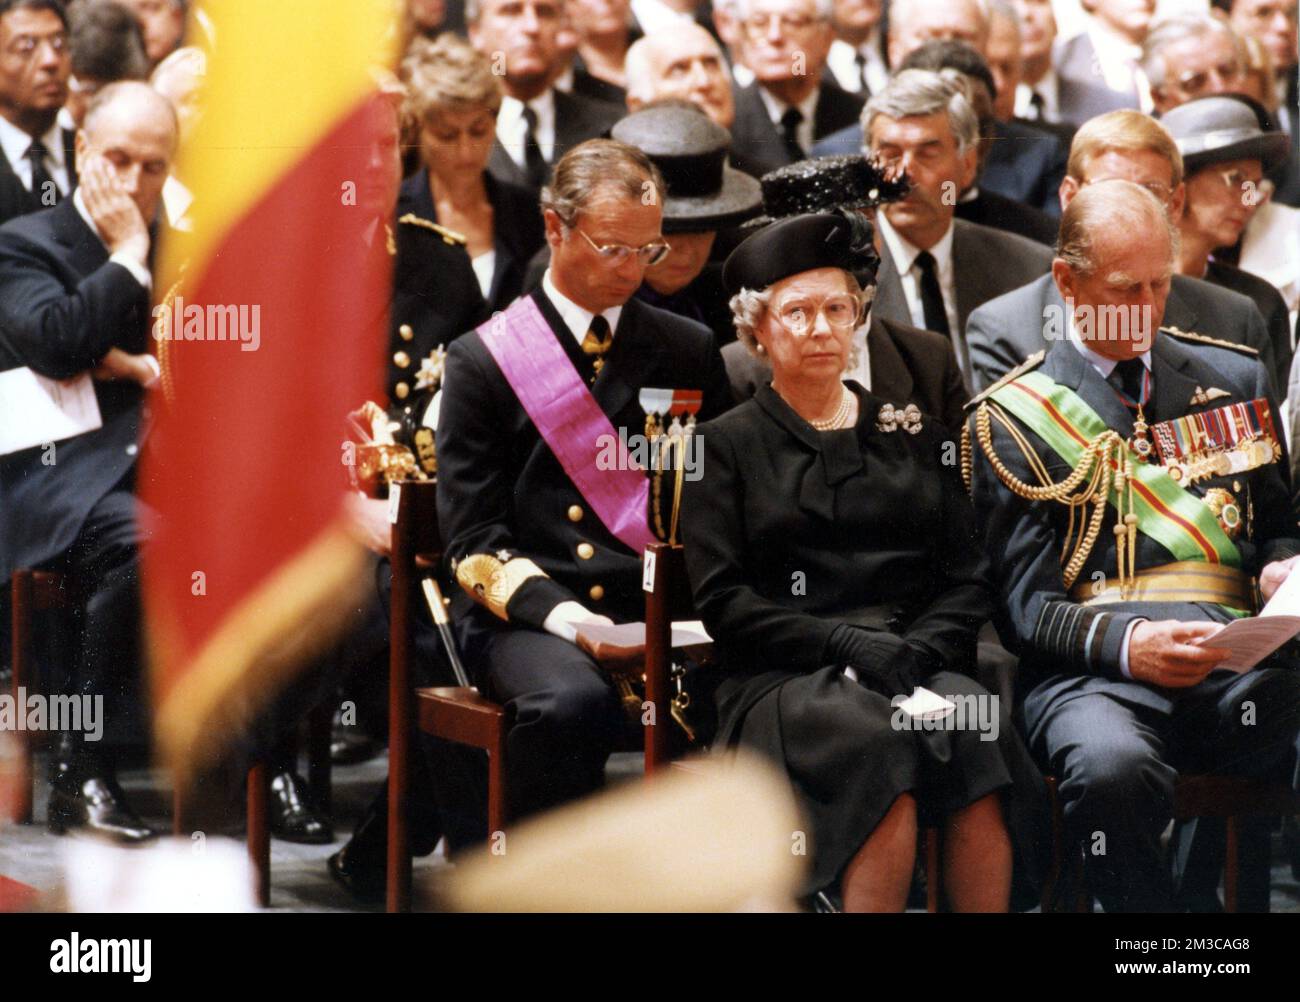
299 879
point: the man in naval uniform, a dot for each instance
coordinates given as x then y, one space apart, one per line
544 517
1114 609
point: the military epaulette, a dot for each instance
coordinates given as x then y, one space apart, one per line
448 236
1195 338
1032 362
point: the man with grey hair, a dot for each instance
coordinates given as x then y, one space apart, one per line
1043 94
935 269
75 307
537 122
1191 56
790 105
542 404
1121 684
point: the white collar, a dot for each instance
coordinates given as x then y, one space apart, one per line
80 203
1101 363
1048 88
15 142
905 255
512 109
575 317
777 108
1104 40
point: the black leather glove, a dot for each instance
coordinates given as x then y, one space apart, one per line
884 661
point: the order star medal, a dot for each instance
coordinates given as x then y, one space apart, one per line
1140 441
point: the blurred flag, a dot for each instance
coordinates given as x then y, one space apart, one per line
271 329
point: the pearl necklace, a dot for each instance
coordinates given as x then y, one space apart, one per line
841 417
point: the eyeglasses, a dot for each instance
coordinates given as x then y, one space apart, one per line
1161 191
650 255
1195 82
1237 180
791 24
798 314
26 46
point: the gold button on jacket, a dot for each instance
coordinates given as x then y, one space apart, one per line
586 551
596 593
575 513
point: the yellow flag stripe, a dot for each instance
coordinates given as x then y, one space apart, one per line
281 75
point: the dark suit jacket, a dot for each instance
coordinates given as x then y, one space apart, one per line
577 119
1271 306
517 230
756 143
986 264
501 488
908 366
435 299
1026 164
1067 647
842 142
15 200
988 208
1287 176
63 305
1075 61
1004 332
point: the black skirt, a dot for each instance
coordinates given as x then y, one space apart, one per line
848 763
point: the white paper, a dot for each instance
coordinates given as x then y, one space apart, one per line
35 410
926 705
1253 639
686 633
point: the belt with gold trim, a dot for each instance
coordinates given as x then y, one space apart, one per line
1181 581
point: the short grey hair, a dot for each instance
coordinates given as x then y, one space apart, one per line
1108 206
825 8
748 306
595 167
915 93
1172 30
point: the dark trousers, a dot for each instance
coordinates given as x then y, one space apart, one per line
104 564
1117 760
566 717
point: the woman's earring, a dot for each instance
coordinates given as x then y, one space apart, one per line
759 349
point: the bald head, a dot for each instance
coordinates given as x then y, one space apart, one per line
686 64
1115 258
912 23
179 78
133 129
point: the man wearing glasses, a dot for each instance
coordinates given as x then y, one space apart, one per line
37 168
789 106
1189 57
543 520
1129 146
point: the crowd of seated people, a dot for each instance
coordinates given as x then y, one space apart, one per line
981 313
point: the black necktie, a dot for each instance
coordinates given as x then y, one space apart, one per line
790 133
936 317
534 162
861 60
596 343
1128 377
1035 106
45 192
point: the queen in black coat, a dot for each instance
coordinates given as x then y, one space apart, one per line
814 551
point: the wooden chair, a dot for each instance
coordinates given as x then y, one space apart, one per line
1228 797
461 714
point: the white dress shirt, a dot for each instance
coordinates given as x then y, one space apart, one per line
807 107
1119 61
1106 366
859 366
511 126
1270 248
904 256
577 319
1049 89
16 143
843 61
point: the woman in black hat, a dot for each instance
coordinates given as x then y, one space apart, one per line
834 558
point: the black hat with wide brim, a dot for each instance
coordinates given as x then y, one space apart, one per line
803 243
1222 127
823 184
704 192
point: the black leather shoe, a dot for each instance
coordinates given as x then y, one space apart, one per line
361 874
98 805
293 818
353 749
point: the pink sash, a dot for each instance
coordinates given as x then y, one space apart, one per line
569 419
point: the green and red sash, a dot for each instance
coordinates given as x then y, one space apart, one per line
1171 515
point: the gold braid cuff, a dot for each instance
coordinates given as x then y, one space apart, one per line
491 582
1104 465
